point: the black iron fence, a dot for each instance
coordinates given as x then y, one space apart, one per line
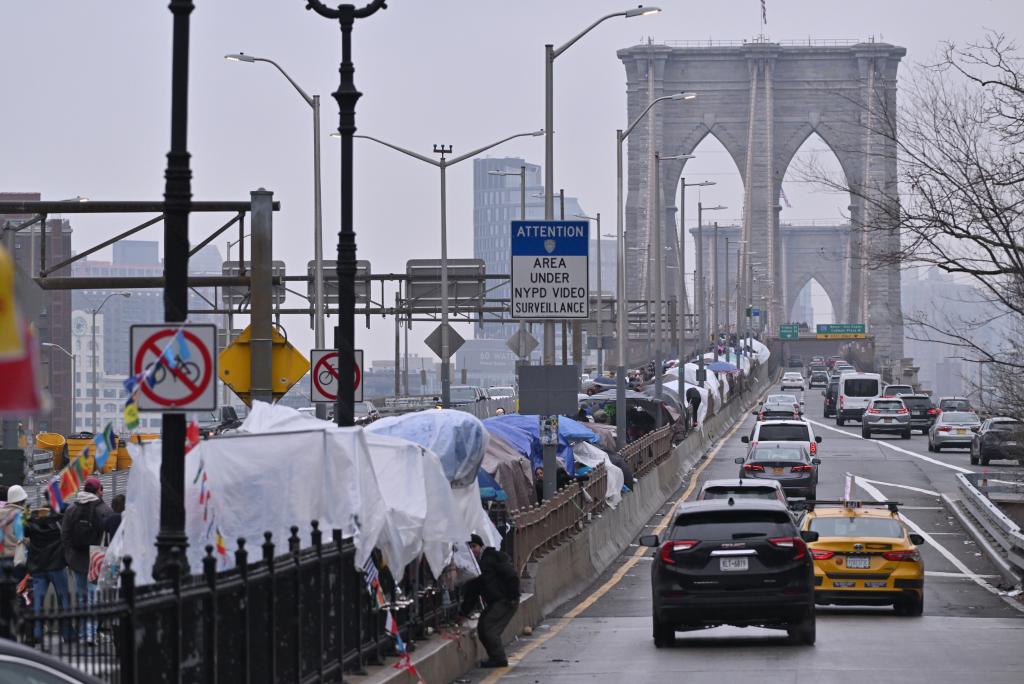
300 616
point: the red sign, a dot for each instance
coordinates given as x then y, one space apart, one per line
324 375
185 386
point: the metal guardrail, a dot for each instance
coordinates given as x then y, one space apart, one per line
1004 531
648 452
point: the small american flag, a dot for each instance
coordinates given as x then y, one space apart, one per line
370 570
764 12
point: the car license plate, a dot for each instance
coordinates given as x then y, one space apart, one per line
1011 444
961 432
858 562
844 585
733 564
887 420
874 585
778 471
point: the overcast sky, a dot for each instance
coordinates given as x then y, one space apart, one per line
86 99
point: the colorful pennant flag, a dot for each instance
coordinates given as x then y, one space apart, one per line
182 346
131 415
71 479
191 436
222 549
104 445
56 500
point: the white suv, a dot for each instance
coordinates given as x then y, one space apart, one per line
792 380
783 431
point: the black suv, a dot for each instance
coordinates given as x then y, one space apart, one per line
732 562
922 411
831 394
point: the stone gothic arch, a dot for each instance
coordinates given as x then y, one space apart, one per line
761 101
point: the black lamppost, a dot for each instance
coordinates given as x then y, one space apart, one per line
347 96
177 204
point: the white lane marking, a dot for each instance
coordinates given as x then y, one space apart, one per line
902 486
894 448
957 563
956 575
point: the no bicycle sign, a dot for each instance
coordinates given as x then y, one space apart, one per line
550 269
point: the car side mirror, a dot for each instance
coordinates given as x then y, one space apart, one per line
809 536
815 461
817 439
754 412
745 439
649 540
801 402
916 539
738 460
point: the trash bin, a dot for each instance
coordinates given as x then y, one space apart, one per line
82 445
54 443
124 459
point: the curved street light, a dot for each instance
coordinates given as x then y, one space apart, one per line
95 398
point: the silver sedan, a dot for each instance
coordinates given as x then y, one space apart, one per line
953 429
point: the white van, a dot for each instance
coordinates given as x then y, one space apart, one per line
855 392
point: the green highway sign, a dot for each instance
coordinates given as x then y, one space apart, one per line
789 332
835 331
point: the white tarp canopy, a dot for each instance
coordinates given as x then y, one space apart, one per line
762 351
702 410
282 469
591 455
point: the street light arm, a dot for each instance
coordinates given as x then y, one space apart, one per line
483 149
54 345
415 155
637 120
568 44
307 98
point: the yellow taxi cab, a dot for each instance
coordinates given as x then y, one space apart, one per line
865 555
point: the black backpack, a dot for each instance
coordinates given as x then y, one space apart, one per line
85 529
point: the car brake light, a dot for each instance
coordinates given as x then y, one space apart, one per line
802 468
814 448
932 412
943 428
902 410
871 410
795 543
842 400
912 555
668 548
753 468
821 554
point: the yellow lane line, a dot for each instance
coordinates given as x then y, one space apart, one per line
562 622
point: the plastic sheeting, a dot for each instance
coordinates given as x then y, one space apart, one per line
762 352
457 437
592 456
523 433
702 410
512 471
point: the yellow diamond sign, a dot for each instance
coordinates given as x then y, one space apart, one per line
288 365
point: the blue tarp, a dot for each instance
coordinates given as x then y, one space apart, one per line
523 433
722 367
458 438
602 380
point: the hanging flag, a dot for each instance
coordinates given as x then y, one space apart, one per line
12 342
23 393
191 436
391 627
103 446
56 500
70 480
169 357
129 384
181 346
222 549
131 415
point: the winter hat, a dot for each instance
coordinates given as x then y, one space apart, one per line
475 539
92 484
16 494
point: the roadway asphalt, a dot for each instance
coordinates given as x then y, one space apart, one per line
970 630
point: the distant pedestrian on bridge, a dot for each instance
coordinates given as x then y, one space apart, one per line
498 586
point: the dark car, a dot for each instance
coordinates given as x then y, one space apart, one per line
20 663
795 362
732 562
998 438
364 413
788 463
922 411
831 394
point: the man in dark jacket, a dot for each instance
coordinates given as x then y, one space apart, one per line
46 565
498 586
84 525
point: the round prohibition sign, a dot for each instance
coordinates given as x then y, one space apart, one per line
195 388
325 375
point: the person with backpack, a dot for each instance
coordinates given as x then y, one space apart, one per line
85 523
498 586
46 565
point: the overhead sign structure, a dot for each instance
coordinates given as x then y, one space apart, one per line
841 331
324 376
790 331
288 365
179 368
550 269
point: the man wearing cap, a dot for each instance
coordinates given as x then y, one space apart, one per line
498 586
12 521
85 522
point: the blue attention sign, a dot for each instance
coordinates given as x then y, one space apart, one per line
550 269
